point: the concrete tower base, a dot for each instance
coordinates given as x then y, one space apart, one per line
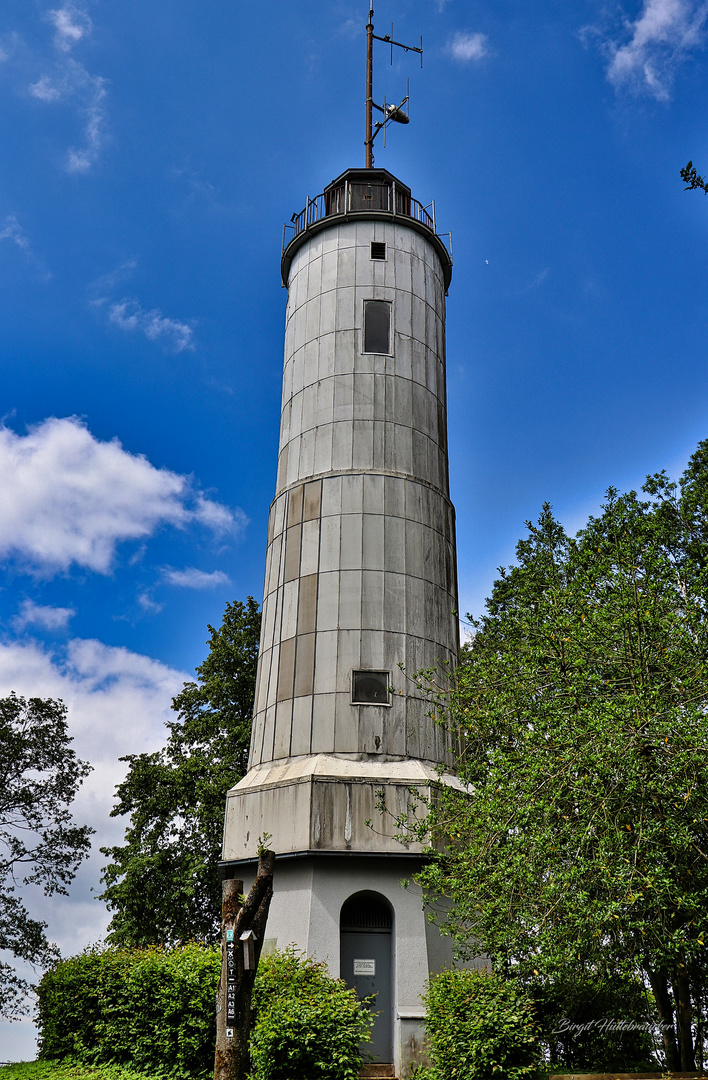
309 893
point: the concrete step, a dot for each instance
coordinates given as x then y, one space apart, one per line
377 1072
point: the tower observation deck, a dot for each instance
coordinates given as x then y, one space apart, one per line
374 192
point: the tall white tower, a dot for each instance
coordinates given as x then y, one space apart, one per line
360 594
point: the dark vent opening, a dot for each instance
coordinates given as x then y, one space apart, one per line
370 688
366 912
378 250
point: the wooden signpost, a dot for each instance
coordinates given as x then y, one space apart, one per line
243 923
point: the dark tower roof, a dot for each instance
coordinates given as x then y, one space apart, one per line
372 193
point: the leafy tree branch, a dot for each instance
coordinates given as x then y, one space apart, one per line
161 883
40 844
691 178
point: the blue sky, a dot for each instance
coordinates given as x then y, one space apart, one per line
151 155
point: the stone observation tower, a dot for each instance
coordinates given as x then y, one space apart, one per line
360 594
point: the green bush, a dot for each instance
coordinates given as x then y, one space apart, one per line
479 1026
152 1008
69 1007
68 1070
308 1026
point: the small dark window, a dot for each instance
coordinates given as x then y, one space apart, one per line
370 688
368 912
377 326
378 250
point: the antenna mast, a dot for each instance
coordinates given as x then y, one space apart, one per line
391 112
369 87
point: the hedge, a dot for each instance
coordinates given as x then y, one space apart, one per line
153 1009
479 1026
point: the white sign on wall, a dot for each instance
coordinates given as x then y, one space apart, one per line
364 967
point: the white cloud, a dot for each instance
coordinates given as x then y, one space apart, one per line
351 28
148 604
82 159
11 230
536 282
117 701
69 498
71 25
49 618
71 81
659 40
468 47
13 233
191 578
45 90
218 517
130 316
205 188
9 44
114 277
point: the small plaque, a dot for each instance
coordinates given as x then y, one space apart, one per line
364 967
229 935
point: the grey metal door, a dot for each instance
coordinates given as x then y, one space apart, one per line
365 964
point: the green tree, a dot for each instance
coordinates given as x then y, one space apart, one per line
162 883
583 849
691 179
40 844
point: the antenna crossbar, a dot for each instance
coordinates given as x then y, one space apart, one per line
407 48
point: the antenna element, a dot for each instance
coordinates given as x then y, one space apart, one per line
390 112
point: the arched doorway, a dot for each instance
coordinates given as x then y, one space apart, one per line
366 936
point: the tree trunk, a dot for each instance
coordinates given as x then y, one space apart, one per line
698 1008
682 998
238 968
660 989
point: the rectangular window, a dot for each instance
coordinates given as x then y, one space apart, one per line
377 326
370 688
378 250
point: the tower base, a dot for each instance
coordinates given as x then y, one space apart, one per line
309 893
